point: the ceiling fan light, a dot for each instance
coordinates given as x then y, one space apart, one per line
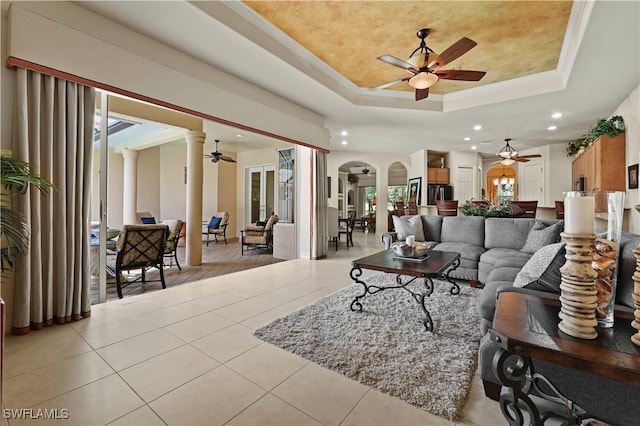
507 161
423 80
512 181
417 60
496 181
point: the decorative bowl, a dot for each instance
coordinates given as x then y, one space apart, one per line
111 233
405 250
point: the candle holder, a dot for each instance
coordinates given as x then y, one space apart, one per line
636 297
578 293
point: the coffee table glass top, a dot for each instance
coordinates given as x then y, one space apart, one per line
386 261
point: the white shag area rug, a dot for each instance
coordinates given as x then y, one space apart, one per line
386 345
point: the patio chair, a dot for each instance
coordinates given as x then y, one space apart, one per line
217 227
139 247
175 233
258 236
145 218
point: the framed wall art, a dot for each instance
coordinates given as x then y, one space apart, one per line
633 176
414 190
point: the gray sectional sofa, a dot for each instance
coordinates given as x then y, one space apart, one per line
525 255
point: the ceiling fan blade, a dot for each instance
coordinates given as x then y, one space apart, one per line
226 158
421 94
460 75
521 159
389 84
454 51
529 156
392 60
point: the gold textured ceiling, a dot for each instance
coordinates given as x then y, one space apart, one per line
515 38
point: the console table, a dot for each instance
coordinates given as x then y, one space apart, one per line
526 327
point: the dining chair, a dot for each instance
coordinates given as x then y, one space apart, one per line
447 207
559 209
348 229
529 208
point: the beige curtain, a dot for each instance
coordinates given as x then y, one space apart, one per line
53 131
321 232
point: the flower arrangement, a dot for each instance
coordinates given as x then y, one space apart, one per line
502 210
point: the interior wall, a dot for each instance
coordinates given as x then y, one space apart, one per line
630 111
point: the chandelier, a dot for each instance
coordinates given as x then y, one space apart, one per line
504 180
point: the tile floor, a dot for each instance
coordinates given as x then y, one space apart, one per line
187 356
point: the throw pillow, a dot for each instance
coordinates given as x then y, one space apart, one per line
215 222
539 264
148 220
408 225
541 235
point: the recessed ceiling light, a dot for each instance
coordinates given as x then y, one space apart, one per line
238 135
344 133
477 127
556 115
474 147
467 138
552 127
344 142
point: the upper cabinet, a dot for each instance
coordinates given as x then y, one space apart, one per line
438 175
601 165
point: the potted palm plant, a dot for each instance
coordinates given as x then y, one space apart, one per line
15 177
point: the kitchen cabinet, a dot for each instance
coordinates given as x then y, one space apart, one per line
438 175
602 165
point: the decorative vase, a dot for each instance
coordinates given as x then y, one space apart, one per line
609 211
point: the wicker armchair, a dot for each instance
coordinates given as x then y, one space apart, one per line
258 235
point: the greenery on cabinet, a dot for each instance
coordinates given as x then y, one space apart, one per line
352 178
611 127
15 177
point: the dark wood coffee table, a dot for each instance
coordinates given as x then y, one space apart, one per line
526 326
439 264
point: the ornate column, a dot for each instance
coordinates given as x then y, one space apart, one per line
130 188
195 148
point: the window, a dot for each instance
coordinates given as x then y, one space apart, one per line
396 193
286 189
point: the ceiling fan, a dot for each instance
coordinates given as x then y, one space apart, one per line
217 156
425 67
508 155
365 171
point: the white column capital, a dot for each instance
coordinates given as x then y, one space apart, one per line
130 153
195 136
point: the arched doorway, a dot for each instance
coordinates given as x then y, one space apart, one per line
501 184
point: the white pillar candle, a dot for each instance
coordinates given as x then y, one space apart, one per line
579 217
410 240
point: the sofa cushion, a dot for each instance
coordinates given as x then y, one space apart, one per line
408 225
432 227
506 233
542 235
543 261
494 255
463 229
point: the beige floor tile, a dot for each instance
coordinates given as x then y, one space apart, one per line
143 416
37 386
211 399
199 326
228 343
218 300
178 366
379 409
322 394
242 310
270 410
266 365
173 314
97 403
480 410
117 331
139 348
24 353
